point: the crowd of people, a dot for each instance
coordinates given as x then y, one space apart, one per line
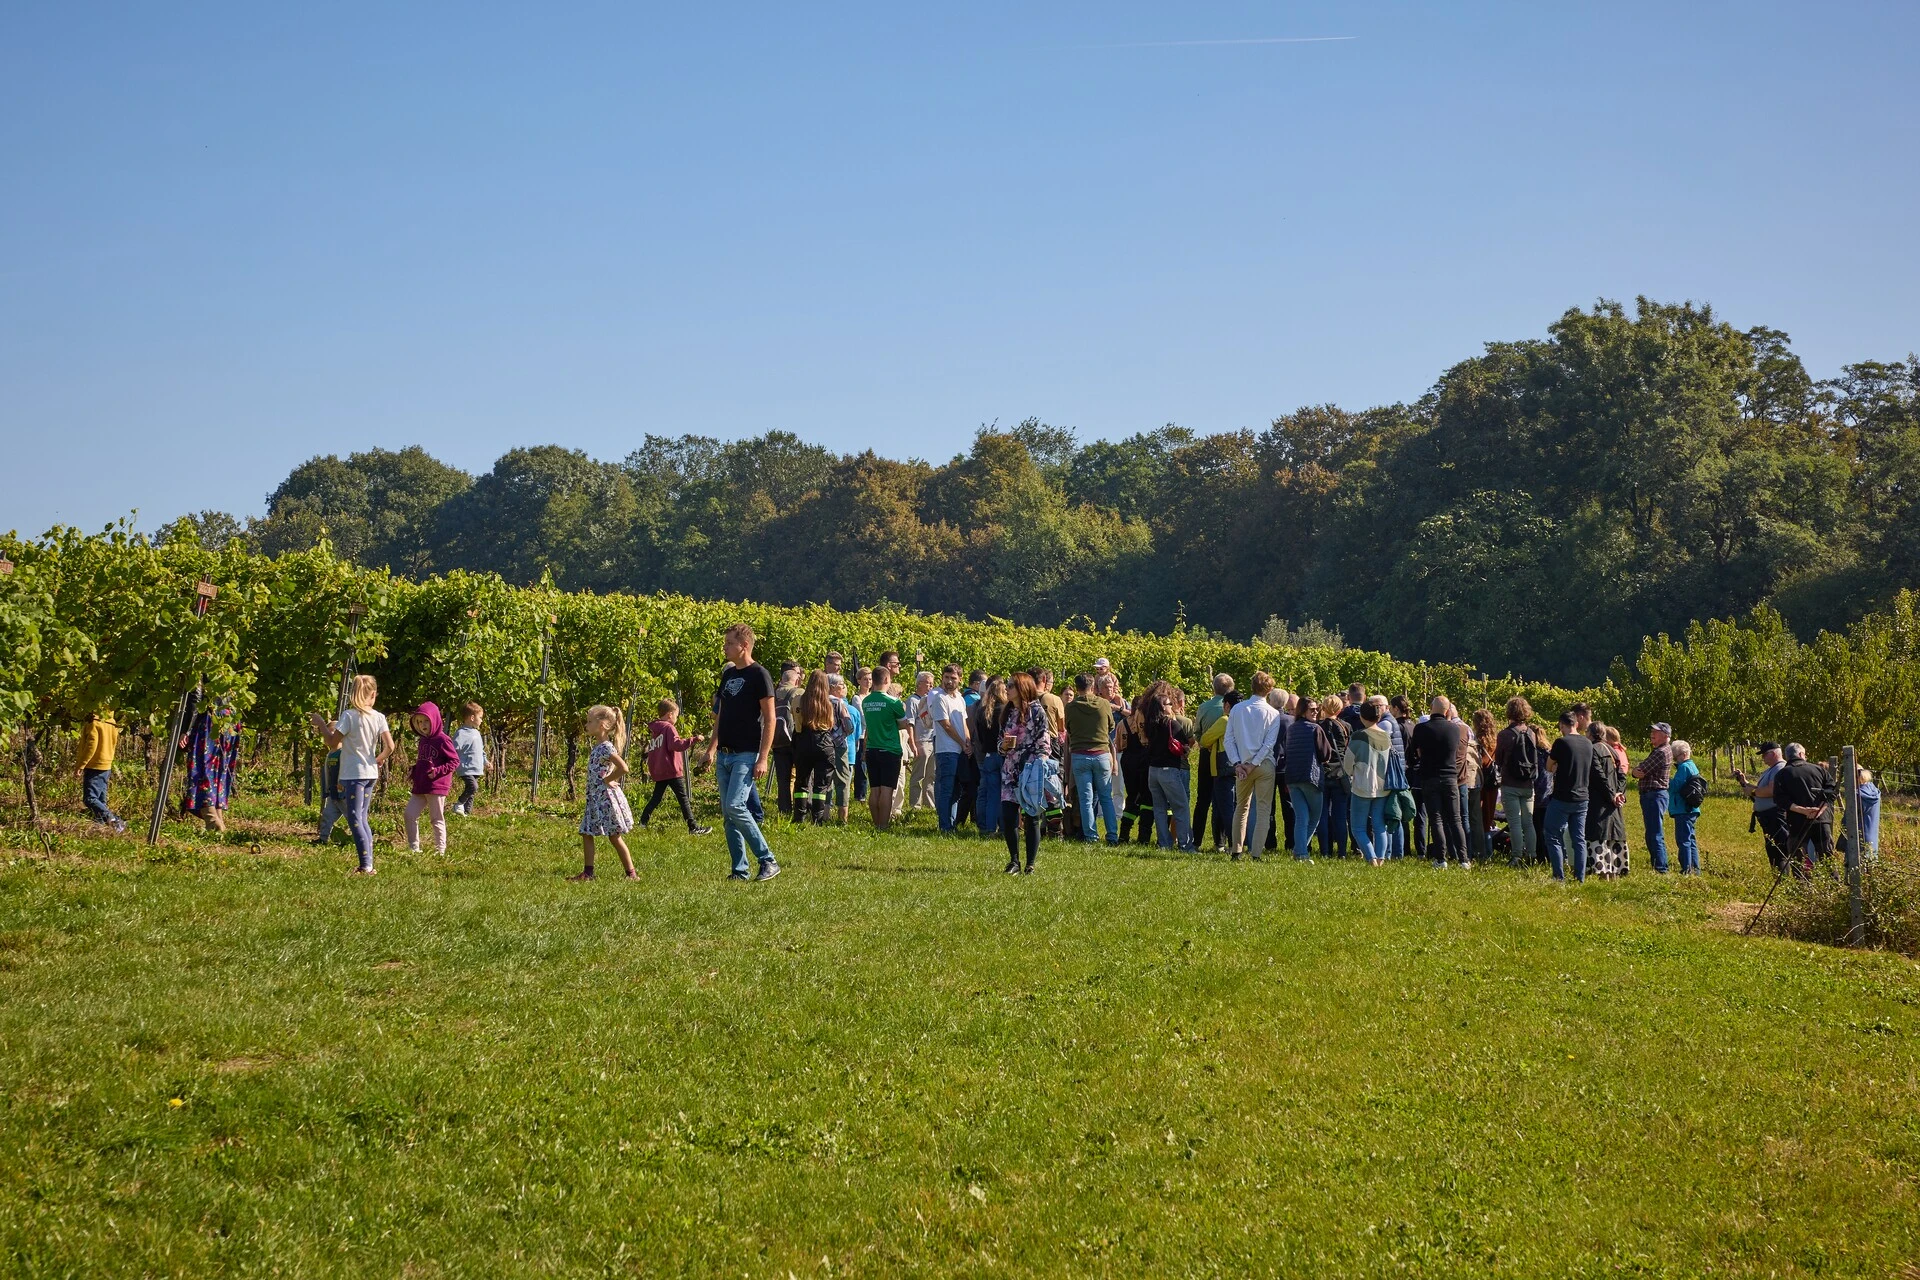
1264 771
1351 774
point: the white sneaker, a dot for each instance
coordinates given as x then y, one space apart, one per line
413 848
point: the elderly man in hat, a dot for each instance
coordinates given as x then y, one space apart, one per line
1654 773
1768 816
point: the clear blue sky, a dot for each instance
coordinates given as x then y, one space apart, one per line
235 236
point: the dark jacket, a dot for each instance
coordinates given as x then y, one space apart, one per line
437 757
1161 734
1804 782
1434 753
1307 753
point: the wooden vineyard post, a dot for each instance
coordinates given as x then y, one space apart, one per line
1856 907
203 593
540 715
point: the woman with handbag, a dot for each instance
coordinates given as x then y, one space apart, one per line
1170 739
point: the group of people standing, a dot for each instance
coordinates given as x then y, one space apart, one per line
1352 772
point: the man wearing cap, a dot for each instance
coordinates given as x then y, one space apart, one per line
1767 815
1655 772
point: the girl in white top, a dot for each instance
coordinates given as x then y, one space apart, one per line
365 742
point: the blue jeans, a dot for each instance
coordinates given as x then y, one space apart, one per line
1684 842
1168 787
1334 809
359 794
946 775
1306 817
734 771
986 808
1567 818
1370 835
1653 812
1223 807
1093 780
94 790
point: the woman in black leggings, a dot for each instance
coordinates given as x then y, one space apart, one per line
1024 737
813 755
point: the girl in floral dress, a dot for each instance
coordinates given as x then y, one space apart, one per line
607 811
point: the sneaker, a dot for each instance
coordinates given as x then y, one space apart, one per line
413 848
119 827
699 831
768 870
738 875
1013 868
1466 866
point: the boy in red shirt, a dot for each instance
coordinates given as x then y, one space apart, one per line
667 765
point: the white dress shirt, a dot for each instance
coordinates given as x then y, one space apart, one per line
1252 728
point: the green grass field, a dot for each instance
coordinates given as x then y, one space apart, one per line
894 1060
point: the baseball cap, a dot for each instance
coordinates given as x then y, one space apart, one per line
1662 726
1101 664
1769 746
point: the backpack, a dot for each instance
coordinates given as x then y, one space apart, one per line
1693 792
783 717
1523 759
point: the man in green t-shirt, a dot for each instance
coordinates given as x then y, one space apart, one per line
886 717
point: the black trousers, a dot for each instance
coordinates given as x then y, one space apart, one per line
782 760
1446 828
812 793
1281 828
678 787
966 790
1013 822
1773 830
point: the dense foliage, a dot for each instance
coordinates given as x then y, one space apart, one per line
1542 508
281 627
1733 682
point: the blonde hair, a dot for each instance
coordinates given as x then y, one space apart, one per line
618 734
362 692
1330 707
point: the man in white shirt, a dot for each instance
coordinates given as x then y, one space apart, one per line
920 713
946 709
1252 728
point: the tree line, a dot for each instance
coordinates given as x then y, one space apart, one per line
1541 509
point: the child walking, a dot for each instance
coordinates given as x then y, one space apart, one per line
365 744
667 764
472 746
99 737
607 812
434 761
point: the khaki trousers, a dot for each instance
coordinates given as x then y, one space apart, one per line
1253 793
924 771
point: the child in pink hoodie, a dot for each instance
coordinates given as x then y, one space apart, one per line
433 765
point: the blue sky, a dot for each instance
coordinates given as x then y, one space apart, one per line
233 237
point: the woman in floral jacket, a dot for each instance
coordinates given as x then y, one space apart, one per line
1025 738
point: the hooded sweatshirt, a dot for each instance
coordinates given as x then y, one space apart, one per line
664 751
436 758
1367 757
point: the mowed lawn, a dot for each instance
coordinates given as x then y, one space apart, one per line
894 1060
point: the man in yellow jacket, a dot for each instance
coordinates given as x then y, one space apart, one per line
99 737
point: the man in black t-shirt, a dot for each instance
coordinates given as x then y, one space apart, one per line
743 742
1433 765
1570 761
